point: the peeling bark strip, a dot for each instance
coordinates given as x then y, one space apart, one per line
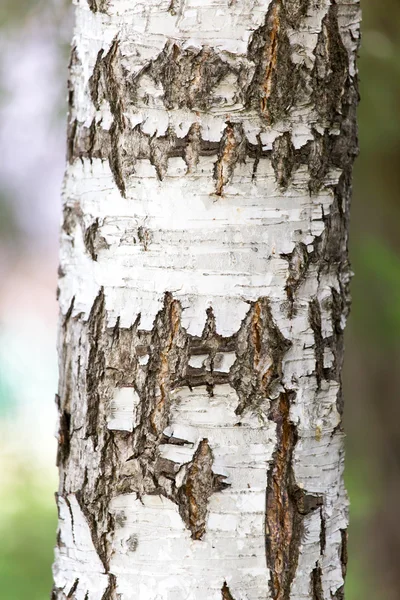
203 288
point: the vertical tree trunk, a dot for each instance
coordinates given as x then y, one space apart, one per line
204 291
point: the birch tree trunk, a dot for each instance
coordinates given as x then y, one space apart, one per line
204 292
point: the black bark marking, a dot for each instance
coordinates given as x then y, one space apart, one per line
260 350
73 588
322 535
314 314
286 504
317 592
330 69
343 552
64 438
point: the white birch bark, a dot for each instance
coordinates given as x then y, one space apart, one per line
203 292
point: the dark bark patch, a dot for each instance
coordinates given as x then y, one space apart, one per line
314 314
114 160
168 350
98 5
295 11
299 261
260 351
282 522
317 592
192 150
232 151
133 543
283 159
199 484
273 88
64 438
226 593
286 504
110 593
322 536
93 241
109 81
330 69
319 161
343 552
187 76
72 215
73 588
96 365
71 135
339 594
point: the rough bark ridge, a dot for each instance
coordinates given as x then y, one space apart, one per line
203 293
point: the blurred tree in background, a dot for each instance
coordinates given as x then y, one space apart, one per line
372 365
36 32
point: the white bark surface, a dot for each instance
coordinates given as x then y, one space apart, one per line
205 219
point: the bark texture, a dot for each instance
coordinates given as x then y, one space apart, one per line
204 292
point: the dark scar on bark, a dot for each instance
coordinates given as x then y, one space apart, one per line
260 351
199 484
109 593
64 438
93 240
226 593
298 262
286 504
273 89
232 151
317 592
330 69
73 588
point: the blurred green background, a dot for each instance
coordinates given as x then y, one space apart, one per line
34 38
